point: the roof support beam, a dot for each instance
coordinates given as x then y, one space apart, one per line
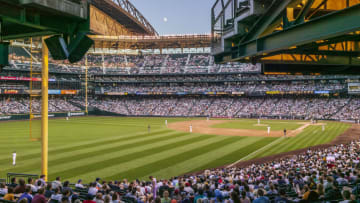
274 13
325 27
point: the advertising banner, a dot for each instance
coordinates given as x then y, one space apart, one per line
354 88
54 92
68 92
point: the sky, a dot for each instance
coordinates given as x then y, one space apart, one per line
183 16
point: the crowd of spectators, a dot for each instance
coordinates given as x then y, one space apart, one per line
14 105
249 87
301 80
301 108
316 175
131 64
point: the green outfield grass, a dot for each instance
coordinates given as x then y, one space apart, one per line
252 124
117 148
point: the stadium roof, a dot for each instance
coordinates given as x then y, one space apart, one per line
287 31
126 15
152 42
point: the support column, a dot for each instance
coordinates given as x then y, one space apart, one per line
44 109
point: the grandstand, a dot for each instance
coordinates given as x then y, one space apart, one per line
148 118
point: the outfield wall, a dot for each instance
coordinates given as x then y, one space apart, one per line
51 115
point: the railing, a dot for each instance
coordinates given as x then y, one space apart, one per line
19 175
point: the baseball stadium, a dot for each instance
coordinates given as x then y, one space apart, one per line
97 107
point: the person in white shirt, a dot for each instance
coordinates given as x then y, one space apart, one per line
57 195
14 158
3 189
79 184
190 128
56 184
92 189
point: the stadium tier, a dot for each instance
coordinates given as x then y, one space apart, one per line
179 85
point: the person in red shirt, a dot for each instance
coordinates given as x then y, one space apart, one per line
39 198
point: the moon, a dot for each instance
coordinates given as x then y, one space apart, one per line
165 19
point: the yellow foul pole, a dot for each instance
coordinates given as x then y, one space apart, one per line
86 84
44 110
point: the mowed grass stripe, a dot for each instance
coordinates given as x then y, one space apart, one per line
236 155
216 156
117 153
73 172
311 136
289 143
88 145
167 162
108 149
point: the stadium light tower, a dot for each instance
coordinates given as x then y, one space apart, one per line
68 20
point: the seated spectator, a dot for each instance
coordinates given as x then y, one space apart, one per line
244 198
79 184
21 187
64 200
57 195
261 198
166 198
48 191
56 184
282 198
66 187
92 189
115 198
39 198
347 196
27 194
3 189
42 180
98 198
98 185
89 199
30 183
10 196
13 183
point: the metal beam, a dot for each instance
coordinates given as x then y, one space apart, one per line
266 22
325 27
26 35
22 21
